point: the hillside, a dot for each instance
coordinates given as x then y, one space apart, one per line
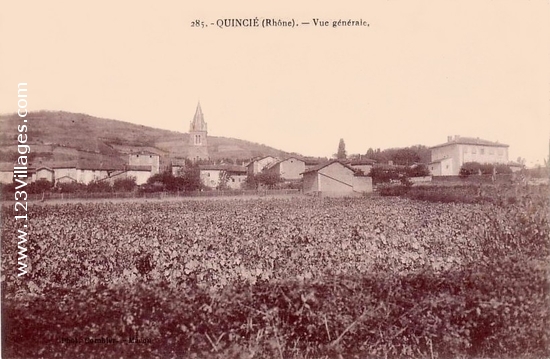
63 137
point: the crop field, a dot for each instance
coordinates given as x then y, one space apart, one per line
280 278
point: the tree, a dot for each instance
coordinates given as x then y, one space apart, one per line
341 154
475 168
223 180
264 178
405 156
384 174
370 153
191 178
187 180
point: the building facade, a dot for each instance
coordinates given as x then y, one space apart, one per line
223 176
363 165
289 169
198 132
448 158
257 165
335 179
144 158
45 173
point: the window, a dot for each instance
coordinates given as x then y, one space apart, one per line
482 151
499 151
491 151
474 150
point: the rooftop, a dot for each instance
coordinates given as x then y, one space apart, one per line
227 168
323 165
459 140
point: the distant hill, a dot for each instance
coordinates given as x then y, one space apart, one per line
61 137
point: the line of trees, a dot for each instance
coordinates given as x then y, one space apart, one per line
476 168
406 156
43 185
386 174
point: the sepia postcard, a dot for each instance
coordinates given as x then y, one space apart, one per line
275 179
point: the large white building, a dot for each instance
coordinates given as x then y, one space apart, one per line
448 158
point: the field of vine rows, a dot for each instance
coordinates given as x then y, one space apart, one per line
282 278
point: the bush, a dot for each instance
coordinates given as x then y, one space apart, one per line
388 174
8 189
70 187
420 170
292 278
124 184
394 190
503 169
384 175
470 168
99 187
475 168
264 179
40 186
484 311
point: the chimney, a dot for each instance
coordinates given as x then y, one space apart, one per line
449 138
457 137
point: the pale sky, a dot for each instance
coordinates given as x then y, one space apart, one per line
421 71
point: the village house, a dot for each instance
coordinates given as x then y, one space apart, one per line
257 165
177 165
45 173
65 179
83 171
448 158
289 169
86 173
229 176
6 173
335 178
140 174
145 158
66 171
364 165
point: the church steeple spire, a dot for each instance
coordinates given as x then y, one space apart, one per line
198 123
198 148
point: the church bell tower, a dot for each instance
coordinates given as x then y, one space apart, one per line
198 149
